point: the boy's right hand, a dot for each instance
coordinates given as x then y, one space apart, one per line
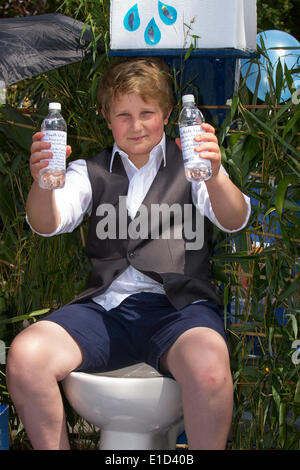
38 159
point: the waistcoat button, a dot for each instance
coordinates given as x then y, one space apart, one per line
131 254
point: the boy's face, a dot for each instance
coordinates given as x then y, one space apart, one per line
137 126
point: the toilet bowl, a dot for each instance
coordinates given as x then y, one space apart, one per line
135 407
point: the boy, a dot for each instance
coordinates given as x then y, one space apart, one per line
154 282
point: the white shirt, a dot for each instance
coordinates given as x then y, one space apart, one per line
75 200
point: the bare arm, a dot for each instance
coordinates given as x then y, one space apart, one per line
227 200
41 209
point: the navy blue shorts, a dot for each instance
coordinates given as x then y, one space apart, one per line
140 329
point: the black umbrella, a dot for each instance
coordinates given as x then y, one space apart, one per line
36 44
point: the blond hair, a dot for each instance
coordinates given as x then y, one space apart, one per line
148 77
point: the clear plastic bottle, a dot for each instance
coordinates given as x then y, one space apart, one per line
2 92
190 121
54 128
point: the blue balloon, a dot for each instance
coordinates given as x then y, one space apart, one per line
291 57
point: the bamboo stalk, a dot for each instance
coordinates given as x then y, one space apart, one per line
274 235
247 106
19 124
246 384
12 266
82 236
207 106
254 333
27 126
243 274
88 139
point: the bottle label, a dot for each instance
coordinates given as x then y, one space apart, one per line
58 140
188 144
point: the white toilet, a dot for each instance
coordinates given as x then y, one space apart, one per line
136 408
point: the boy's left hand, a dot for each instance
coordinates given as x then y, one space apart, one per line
208 146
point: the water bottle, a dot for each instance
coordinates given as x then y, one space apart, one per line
54 128
190 121
2 92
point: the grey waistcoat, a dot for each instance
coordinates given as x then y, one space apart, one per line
185 274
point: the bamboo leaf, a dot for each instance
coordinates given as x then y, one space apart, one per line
296 163
292 122
272 209
268 131
294 324
282 424
297 393
276 397
291 205
6 203
238 256
290 290
25 317
270 338
188 53
280 193
279 80
17 127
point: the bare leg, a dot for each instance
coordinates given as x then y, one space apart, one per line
39 357
199 361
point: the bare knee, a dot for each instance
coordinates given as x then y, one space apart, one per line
200 359
211 376
26 356
42 349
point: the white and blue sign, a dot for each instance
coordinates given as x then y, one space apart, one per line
176 24
152 33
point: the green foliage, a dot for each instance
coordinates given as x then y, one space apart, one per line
13 8
258 268
279 14
260 149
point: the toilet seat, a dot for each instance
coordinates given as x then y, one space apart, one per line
140 370
135 407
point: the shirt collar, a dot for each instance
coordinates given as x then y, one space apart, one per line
155 152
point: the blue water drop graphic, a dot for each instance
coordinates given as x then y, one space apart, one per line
167 13
152 33
132 19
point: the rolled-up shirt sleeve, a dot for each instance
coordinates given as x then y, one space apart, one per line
73 201
201 200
